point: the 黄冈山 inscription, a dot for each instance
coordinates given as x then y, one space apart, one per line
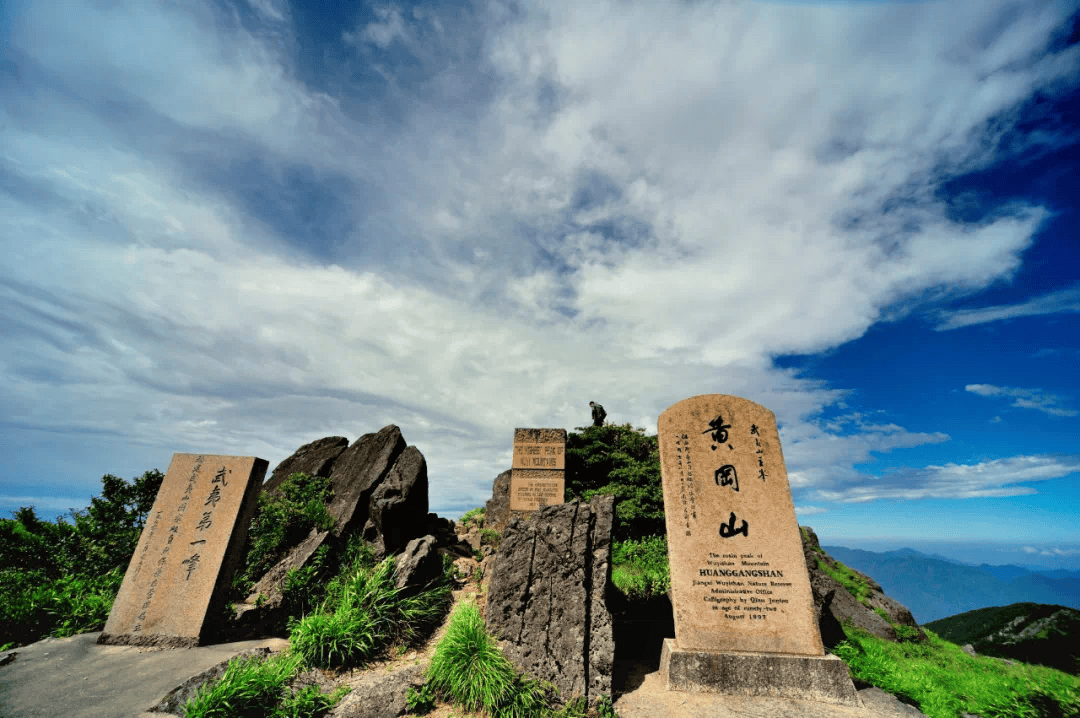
538 472
738 575
185 556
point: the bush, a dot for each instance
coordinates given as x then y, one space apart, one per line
619 461
59 578
282 519
640 568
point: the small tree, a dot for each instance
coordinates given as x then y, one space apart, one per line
618 460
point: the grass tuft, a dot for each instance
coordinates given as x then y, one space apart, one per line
640 568
468 666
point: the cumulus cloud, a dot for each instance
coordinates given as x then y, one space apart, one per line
208 248
1063 301
987 479
1025 398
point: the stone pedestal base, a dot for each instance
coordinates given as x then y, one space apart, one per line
814 678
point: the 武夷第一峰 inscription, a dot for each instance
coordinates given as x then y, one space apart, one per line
187 551
738 576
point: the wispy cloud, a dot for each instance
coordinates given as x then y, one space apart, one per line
1063 301
1025 398
207 248
987 479
1053 551
810 510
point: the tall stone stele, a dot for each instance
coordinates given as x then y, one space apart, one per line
745 621
191 545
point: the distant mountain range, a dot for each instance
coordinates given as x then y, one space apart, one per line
934 587
1028 632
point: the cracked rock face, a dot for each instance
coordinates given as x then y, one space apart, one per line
547 600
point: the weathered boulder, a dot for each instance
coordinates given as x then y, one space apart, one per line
836 605
397 504
379 487
547 600
418 565
357 473
380 695
497 508
314 459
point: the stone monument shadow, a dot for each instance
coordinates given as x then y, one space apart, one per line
640 628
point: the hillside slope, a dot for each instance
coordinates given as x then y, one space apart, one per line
1028 632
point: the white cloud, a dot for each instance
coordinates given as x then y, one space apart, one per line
803 511
987 479
621 202
1054 551
1065 300
1025 398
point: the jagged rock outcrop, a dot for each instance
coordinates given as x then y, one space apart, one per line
396 503
836 605
314 459
497 508
547 599
418 565
379 487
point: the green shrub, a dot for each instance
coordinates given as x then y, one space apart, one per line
617 460
640 568
468 666
473 517
420 701
282 519
490 537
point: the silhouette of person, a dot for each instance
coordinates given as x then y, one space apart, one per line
598 414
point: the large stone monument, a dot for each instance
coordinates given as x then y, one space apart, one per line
538 475
190 547
745 621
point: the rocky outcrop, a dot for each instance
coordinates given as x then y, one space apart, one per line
396 504
547 599
314 459
497 508
418 565
836 605
379 486
380 695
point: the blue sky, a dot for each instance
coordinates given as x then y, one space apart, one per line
237 227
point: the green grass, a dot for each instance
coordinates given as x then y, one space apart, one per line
640 568
850 580
258 687
468 666
945 682
363 613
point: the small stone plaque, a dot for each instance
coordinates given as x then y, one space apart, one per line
539 456
738 576
538 472
188 550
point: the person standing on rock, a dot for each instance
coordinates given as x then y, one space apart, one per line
598 414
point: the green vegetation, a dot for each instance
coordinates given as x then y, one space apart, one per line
259 687
363 613
59 578
1006 632
623 462
640 568
283 518
945 682
850 580
472 517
